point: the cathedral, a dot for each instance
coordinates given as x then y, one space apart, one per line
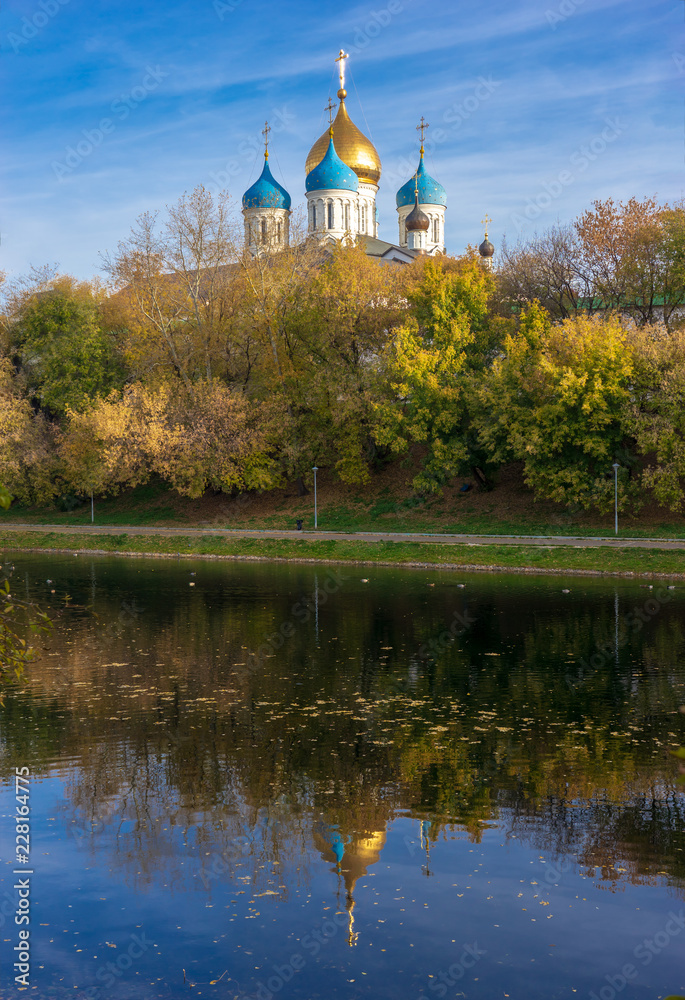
343 171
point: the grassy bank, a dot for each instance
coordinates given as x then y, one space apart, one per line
387 503
640 562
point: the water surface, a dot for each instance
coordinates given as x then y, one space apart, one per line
290 781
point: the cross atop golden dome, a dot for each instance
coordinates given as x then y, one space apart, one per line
351 145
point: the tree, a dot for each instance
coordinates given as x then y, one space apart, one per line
656 417
210 438
628 257
632 253
56 336
547 269
181 293
432 364
334 334
556 402
27 458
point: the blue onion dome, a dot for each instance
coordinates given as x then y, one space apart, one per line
266 192
332 173
430 191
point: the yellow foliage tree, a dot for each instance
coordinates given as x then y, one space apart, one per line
431 364
208 438
556 401
27 458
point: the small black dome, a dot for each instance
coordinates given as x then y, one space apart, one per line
486 248
417 221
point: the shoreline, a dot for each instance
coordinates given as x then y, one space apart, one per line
336 559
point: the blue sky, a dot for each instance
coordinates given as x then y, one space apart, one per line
537 107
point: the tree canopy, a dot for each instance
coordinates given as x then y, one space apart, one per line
218 370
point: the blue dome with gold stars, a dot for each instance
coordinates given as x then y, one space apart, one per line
430 191
266 192
332 173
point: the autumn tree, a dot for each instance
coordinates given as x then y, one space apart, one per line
620 256
180 293
333 335
432 363
208 438
627 250
546 269
556 401
656 416
27 458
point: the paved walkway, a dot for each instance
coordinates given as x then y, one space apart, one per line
578 542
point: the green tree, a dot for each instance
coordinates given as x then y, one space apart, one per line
68 360
334 336
656 417
556 401
432 365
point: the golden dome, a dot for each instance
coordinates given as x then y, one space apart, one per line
351 145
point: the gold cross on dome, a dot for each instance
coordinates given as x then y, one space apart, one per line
422 128
486 222
265 133
341 59
330 108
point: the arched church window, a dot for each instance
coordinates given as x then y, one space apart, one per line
263 230
347 216
280 229
436 231
313 216
330 214
363 219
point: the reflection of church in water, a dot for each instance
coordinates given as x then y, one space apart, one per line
352 855
343 171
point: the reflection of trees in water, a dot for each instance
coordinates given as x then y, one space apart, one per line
178 741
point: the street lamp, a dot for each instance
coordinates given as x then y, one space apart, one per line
316 518
616 467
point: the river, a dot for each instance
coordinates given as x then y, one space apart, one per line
323 782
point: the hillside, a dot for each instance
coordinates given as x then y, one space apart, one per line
387 502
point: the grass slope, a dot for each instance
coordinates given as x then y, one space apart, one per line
507 557
387 503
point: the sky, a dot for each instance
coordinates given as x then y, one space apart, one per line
536 109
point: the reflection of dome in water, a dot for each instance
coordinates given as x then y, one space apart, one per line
351 145
352 855
359 852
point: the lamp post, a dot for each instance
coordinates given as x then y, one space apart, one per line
316 518
616 467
